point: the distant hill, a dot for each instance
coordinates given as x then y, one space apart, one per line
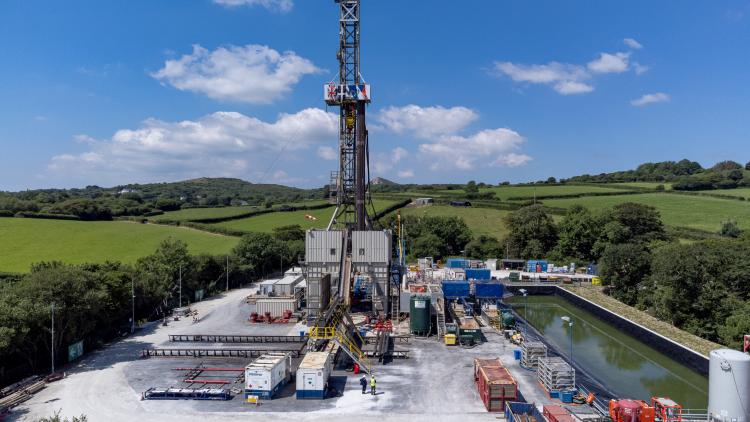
207 188
382 181
98 203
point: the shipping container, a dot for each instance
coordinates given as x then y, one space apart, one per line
456 289
266 286
534 266
276 305
488 289
495 384
313 374
456 263
285 286
556 413
266 375
480 362
478 274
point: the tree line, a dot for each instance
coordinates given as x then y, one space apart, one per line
93 302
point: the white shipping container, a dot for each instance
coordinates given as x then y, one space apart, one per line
313 374
267 374
275 305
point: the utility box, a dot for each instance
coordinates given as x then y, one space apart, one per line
268 374
313 374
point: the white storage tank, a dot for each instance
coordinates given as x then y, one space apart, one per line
313 374
728 386
268 374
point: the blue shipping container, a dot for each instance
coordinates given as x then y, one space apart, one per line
456 263
478 274
488 289
456 289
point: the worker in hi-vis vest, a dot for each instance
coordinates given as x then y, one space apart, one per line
372 384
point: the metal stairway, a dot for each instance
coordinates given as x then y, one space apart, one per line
441 329
341 329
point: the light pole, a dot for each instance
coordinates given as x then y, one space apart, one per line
180 285
525 305
132 302
227 272
52 327
570 325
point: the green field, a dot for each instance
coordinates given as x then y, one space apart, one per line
191 214
505 192
698 212
740 192
24 241
480 220
643 185
267 222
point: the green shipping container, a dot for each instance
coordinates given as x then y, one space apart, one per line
419 315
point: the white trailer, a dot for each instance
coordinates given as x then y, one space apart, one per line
313 374
268 374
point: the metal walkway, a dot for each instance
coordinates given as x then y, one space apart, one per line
230 338
216 353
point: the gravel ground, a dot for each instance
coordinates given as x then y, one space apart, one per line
435 382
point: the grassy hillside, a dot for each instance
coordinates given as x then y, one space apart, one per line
507 192
26 241
698 212
267 222
480 220
190 214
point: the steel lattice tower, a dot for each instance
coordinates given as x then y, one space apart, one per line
350 184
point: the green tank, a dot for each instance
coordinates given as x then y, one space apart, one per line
419 315
508 319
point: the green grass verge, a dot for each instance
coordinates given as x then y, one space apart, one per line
486 221
26 241
692 211
265 223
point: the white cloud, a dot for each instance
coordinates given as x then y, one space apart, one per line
632 43
512 160
639 68
466 153
572 87
253 74
280 5
219 144
564 78
328 153
405 174
382 163
568 78
657 97
426 122
610 63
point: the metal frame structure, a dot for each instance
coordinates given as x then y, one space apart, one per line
351 95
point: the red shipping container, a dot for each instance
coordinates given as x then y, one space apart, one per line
495 386
480 362
556 414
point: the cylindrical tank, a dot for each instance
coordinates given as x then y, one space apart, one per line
728 386
419 315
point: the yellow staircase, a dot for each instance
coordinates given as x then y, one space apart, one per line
338 329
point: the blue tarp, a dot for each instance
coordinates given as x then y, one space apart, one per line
488 290
456 263
456 289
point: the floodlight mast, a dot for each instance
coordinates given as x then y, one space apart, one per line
351 94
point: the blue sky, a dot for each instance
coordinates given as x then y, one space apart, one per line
108 93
